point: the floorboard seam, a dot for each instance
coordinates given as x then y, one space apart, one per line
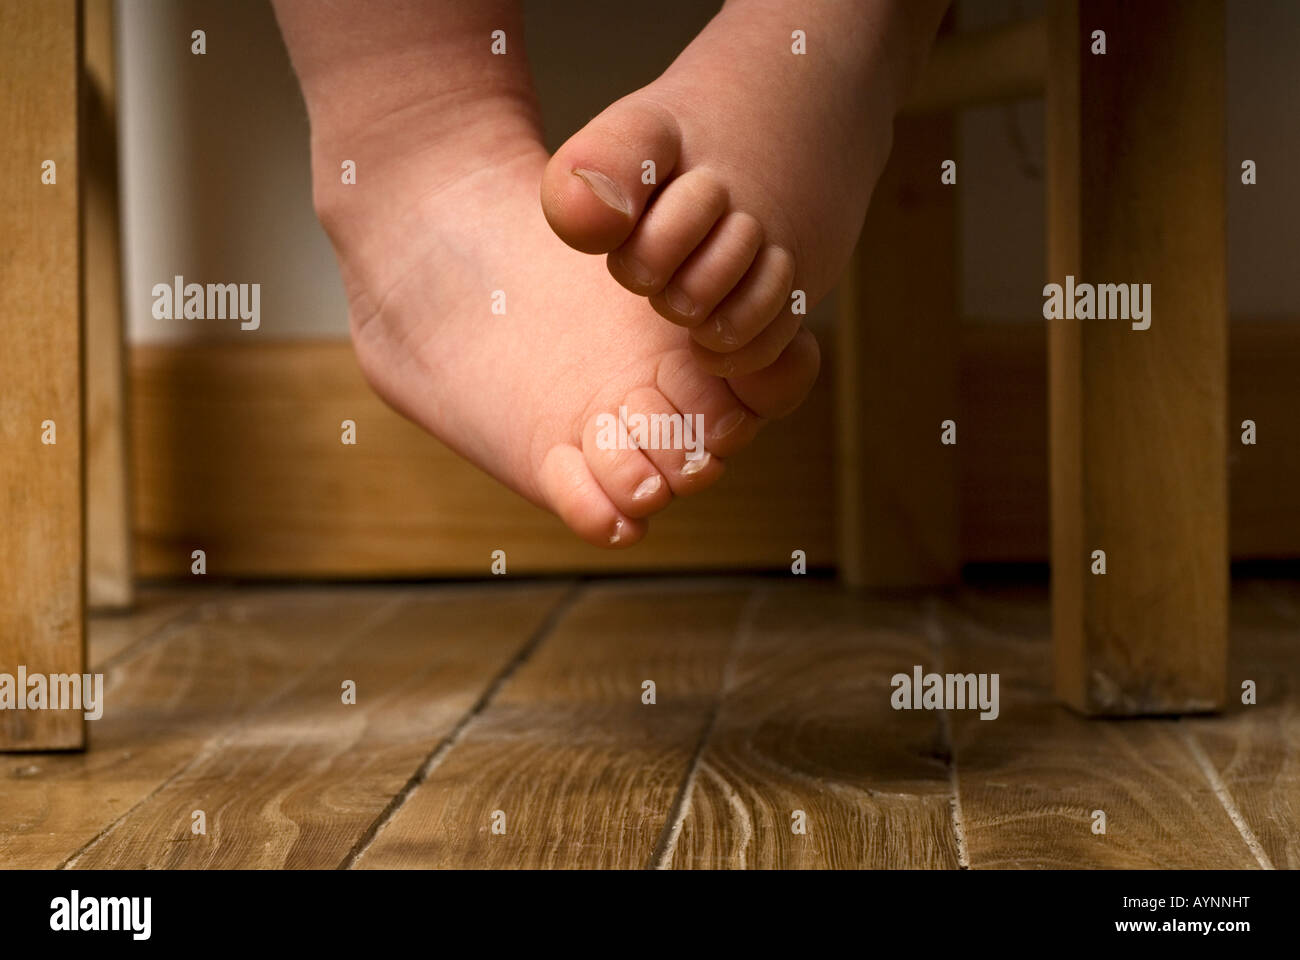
662 854
554 616
1225 796
207 748
938 641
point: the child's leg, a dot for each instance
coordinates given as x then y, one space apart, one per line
467 314
766 136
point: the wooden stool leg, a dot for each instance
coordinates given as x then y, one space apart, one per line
1136 184
897 350
41 482
109 582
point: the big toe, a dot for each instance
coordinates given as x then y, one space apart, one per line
597 184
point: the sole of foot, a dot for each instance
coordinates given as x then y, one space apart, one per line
472 319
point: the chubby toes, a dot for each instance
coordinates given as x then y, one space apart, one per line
760 352
680 217
573 493
631 481
728 424
780 387
672 440
757 300
711 271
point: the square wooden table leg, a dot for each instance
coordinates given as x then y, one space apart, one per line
41 478
1136 185
897 372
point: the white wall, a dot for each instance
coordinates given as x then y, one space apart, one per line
215 172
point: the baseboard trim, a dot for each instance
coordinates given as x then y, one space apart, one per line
237 453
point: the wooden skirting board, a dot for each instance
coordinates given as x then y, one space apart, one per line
1004 512
238 453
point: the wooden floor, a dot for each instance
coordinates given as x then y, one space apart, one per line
520 705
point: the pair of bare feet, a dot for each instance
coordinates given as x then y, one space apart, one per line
739 177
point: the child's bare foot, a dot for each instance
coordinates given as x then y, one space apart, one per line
441 227
764 160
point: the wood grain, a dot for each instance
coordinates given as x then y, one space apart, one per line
1004 506
1265 518
42 570
110 635
1002 462
227 700
301 779
1255 749
1030 779
1006 62
1003 453
239 453
585 773
109 581
898 520
165 701
1138 418
806 724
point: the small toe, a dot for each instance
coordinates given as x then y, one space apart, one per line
625 473
574 494
710 273
680 217
780 387
754 304
673 441
729 426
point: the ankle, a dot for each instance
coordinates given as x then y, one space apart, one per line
377 171
357 65
407 102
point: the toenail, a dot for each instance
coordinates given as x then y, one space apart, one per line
728 423
693 467
679 301
647 487
605 189
722 330
639 272
617 535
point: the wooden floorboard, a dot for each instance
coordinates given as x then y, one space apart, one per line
806 725
166 704
301 780
156 609
567 759
1254 750
772 695
1030 781
162 706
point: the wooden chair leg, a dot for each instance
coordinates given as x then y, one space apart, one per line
897 350
41 478
1136 180
109 583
